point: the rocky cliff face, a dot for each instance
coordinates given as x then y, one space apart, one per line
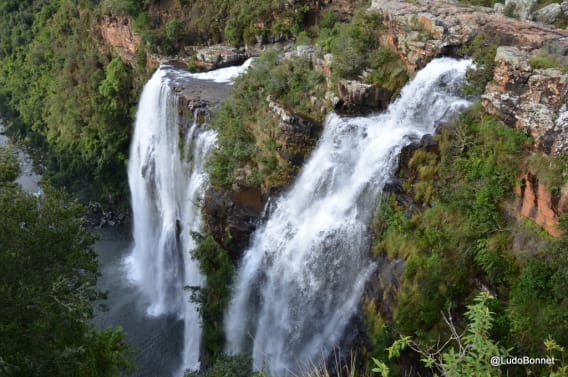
423 29
298 134
536 101
232 216
116 33
533 100
535 201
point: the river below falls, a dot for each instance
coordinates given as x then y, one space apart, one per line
28 178
158 341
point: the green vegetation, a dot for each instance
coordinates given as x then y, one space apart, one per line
65 98
195 22
228 366
483 3
545 60
482 50
463 237
356 48
9 169
468 353
213 298
248 132
48 272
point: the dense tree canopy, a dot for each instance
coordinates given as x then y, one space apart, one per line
48 272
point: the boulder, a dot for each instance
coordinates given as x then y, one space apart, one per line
549 14
355 96
521 9
219 56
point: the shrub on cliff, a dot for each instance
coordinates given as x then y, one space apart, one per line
248 132
358 53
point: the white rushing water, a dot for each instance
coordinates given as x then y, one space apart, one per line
300 282
223 75
167 180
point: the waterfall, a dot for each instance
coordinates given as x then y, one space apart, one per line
167 180
301 281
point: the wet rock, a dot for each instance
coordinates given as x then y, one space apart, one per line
219 56
194 94
232 217
355 96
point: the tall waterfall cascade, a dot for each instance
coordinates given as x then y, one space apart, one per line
300 282
166 183
167 178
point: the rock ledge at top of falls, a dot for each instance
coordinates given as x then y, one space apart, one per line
424 29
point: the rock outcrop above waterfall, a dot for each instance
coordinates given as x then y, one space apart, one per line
523 96
356 96
218 56
116 33
298 134
424 29
533 100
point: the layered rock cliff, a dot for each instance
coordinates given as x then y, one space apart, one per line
423 29
117 34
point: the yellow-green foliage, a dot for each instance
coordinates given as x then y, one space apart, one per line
543 61
425 167
452 241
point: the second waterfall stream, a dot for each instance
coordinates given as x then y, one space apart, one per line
302 278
